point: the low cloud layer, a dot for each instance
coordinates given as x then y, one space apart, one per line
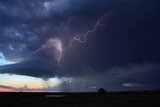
36 39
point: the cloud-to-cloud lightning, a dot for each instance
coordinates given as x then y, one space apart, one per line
56 43
83 38
48 38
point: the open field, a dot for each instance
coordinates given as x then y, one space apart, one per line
110 99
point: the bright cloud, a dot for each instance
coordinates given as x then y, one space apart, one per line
3 61
19 81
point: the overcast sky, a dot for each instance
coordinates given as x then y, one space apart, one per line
79 45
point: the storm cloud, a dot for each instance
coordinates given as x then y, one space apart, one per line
124 46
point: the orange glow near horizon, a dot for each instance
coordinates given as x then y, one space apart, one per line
17 83
12 90
28 83
7 90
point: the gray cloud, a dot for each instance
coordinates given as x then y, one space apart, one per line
120 49
131 85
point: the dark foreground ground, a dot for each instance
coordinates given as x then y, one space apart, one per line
110 99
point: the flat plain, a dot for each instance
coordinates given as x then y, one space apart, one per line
80 99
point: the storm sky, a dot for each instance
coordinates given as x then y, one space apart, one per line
79 45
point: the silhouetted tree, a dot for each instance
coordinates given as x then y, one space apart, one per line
102 90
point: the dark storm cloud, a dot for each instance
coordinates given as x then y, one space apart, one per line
36 68
130 37
27 25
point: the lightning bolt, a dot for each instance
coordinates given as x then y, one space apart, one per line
50 44
82 38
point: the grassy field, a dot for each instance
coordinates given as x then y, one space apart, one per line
109 99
